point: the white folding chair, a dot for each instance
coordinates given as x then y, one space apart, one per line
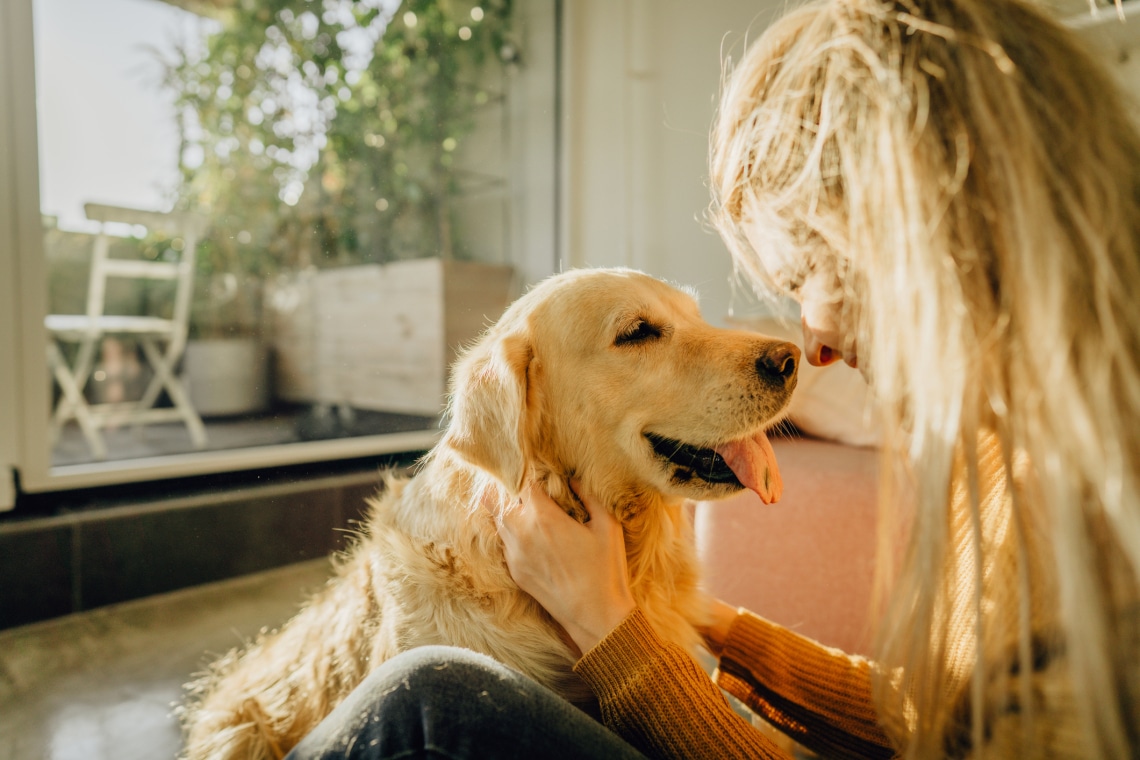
161 338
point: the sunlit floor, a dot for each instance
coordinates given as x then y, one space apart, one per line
102 684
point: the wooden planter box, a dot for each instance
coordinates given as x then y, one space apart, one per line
383 337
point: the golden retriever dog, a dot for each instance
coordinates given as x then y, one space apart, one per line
607 376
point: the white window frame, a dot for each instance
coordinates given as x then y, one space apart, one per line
24 380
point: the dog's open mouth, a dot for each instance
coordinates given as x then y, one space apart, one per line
706 464
746 463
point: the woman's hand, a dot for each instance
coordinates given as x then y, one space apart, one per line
576 572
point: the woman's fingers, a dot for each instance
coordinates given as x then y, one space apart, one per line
593 507
576 572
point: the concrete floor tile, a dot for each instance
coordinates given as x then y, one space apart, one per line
102 684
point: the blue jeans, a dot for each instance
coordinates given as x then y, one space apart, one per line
445 702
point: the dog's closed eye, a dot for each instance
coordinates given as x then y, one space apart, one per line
640 331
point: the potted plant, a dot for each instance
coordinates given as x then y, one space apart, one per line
318 141
226 363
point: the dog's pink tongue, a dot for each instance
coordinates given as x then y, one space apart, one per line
754 464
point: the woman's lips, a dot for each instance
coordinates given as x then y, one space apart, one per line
821 354
828 355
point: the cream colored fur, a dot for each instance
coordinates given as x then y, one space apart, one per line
546 395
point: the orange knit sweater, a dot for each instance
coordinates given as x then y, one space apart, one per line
658 697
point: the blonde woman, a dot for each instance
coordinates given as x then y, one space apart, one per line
951 190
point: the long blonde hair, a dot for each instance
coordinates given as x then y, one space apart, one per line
978 175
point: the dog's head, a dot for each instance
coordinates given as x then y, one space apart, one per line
613 377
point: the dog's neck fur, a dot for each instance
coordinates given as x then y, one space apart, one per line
660 555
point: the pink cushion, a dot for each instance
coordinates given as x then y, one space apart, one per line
806 562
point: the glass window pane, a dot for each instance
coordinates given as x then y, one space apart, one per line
266 222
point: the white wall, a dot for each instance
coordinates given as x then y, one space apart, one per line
641 78
515 223
533 144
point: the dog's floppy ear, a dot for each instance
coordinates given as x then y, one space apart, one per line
488 407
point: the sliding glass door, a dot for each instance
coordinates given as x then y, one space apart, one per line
256 233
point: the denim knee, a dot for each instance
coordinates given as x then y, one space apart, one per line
446 702
432 678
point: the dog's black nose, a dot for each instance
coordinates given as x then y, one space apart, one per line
778 363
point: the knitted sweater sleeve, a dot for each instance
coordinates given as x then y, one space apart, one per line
819 696
657 697
660 700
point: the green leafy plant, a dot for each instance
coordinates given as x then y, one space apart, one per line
324 132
